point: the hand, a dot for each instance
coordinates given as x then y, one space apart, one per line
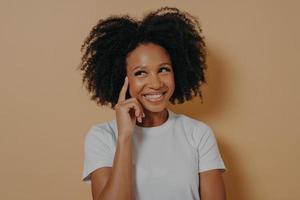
127 111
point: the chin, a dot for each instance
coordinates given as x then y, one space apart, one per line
155 109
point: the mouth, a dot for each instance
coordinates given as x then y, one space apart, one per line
155 97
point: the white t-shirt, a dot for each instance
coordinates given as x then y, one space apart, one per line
167 159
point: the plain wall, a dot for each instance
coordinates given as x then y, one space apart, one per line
251 100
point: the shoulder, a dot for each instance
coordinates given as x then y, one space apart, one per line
105 131
192 125
194 129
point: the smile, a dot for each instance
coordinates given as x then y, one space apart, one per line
155 97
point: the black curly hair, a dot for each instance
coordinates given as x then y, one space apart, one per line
111 40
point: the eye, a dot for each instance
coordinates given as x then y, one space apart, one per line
139 73
165 69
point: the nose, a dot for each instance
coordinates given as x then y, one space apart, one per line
155 82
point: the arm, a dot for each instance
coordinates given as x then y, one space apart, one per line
116 182
211 185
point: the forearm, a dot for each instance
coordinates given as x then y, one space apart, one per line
120 183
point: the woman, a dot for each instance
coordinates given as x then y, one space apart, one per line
148 151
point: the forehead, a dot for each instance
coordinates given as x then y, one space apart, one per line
147 55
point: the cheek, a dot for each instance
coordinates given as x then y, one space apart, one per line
171 82
171 85
135 86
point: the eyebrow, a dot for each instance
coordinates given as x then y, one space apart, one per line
143 67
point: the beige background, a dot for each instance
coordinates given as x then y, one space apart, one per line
251 100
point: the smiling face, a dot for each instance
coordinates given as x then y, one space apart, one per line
151 77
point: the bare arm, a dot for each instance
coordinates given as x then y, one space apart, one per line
116 182
212 185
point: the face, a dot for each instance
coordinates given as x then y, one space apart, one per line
151 77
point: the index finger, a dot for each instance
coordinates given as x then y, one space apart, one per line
122 95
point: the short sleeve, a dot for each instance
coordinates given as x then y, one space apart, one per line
98 151
208 151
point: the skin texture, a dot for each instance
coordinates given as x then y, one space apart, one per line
116 182
149 70
211 185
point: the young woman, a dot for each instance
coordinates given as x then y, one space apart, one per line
149 152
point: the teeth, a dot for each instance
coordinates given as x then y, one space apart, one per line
153 96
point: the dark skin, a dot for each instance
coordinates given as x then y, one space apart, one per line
149 72
211 185
211 182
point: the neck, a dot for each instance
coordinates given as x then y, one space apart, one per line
154 118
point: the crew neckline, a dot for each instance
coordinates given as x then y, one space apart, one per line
155 128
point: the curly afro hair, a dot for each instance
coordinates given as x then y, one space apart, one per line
110 41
